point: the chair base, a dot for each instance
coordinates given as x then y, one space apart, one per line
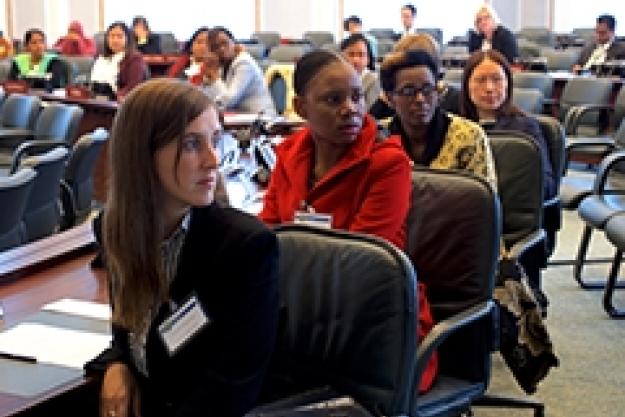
490 400
581 260
611 285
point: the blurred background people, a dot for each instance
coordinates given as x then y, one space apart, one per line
75 42
604 48
121 66
147 42
490 34
35 62
356 50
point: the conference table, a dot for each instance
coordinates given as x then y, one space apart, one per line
32 276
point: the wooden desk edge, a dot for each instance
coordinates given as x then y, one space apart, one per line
44 252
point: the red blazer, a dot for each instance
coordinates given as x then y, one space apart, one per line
367 191
132 72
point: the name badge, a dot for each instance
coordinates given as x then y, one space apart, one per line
183 324
313 219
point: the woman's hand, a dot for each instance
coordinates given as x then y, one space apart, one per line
119 393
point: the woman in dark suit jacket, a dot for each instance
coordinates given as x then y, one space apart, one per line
490 34
121 66
193 326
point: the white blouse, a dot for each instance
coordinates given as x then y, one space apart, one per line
106 69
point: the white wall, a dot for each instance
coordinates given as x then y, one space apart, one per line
28 14
535 13
567 18
87 12
291 18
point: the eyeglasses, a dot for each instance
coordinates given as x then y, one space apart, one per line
426 91
493 78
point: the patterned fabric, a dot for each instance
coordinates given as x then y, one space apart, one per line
465 147
170 249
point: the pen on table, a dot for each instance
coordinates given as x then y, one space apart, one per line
18 357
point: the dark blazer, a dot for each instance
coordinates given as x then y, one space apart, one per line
56 68
530 126
229 260
132 72
504 41
152 46
615 51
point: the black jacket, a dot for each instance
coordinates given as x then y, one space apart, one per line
152 46
56 68
503 41
616 51
229 260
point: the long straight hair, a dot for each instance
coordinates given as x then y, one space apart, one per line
155 114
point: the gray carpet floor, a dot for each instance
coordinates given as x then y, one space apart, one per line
590 380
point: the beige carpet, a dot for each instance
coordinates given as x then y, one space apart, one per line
590 380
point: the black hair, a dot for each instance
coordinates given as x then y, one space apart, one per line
352 19
409 6
355 38
130 37
608 20
141 20
407 59
187 45
309 65
223 30
29 35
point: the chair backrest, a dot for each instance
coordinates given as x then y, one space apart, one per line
79 170
278 91
20 111
553 132
385 46
59 122
528 49
288 53
560 59
519 183
348 317
319 38
257 50
587 34
539 80
382 33
83 65
539 35
453 75
42 215
279 78
269 39
582 90
169 44
453 241
529 100
619 109
69 73
14 192
5 69
99 40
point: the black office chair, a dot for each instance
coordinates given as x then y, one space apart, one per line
319 38
520 186
14 192
454 228
615 232
42 215
57 124
169 44
583 91
77 183
347 318
19 114
269 39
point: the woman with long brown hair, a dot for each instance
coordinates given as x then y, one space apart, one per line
193 326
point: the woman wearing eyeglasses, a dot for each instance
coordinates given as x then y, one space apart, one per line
487 98
430 136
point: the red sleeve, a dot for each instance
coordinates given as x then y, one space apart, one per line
383 212
131 75
180 64
88 47
426 322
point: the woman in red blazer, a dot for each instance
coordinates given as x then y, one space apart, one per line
337 166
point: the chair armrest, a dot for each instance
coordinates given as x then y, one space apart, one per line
520 247
12 137
575 113
574 144
443 329
32 147
68 206
604 169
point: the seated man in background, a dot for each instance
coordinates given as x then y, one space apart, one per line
44 68
75 42
605 48
353 25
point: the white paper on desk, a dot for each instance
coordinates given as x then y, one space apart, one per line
54 345
82 308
